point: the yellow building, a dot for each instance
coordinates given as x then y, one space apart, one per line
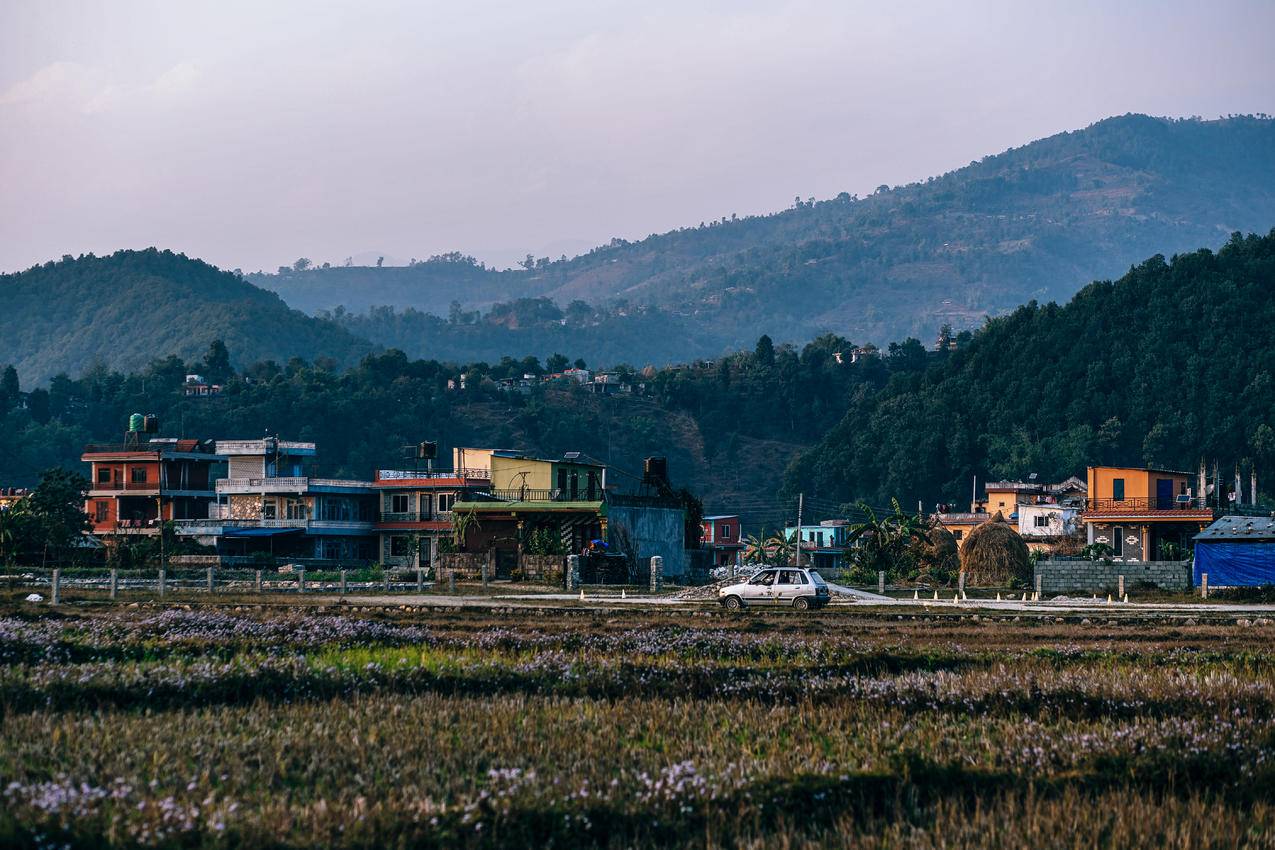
1139 512
533 478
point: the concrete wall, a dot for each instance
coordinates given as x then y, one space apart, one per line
1096 576
651 531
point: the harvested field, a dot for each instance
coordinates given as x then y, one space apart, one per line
299 727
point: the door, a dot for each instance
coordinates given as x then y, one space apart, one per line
788 586
760 589
1164 494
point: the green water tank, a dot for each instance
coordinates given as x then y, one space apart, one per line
136 423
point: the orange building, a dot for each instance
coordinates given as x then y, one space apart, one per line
415 511
1143 514
135 484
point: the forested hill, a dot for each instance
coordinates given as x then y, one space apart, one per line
1172 363
127 309
1035 222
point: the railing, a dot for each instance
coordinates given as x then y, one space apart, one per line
409 475
400 516
528 494
212 526
284 485
126 486
1145 505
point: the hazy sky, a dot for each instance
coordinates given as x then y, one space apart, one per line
251 133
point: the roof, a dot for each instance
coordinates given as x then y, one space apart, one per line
1239 528
511 454
530 506
722 516
1147 469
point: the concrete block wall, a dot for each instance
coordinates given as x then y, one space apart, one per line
1096 576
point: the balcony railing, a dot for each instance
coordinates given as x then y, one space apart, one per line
402 516
299 484
126 485
1145 505
528 494
411 475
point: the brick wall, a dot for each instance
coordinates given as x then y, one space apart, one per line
1095 576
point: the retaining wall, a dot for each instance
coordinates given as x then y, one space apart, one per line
1095 576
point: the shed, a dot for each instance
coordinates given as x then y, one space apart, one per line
1236 551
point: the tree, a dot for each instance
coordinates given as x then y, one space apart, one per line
301 264
55 510
556 363
38 405
216 364
380 261
764 353
9 382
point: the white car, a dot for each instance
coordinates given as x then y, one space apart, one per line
797 587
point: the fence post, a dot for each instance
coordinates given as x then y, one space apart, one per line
301 580
258 581
162 582
343 581
420 579
57 587
1038 585
483 569
385 574
1120 590
573 569
881 582
451 580
960 583
115 582
210 579
734 565
1204 585
657 573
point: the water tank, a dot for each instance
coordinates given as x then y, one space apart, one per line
150 424
136 422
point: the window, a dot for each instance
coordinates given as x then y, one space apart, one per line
268 510
104 475
400 546
445 501
427 506
137 475
723 532
1041 520
958 534
399 504
101 511
1117 540
1117 489
295 509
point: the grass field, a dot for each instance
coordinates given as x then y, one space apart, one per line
301 727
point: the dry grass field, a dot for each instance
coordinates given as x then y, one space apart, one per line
296 726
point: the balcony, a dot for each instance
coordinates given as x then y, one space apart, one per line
527 494
215 527
126 487
1186 508
249 486
411 475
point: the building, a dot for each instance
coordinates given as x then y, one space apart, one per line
270 507
196 387
1236 551
1045 515
143 481
823 545
1046 526
1143 514
415 511
723 538
961 523
10 496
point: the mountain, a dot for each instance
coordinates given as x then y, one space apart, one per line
1038 221
1171 364
127 309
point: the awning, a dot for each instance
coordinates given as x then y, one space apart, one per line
259 532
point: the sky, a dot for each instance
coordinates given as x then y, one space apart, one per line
253 133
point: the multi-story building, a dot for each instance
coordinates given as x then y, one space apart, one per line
269 505
823 545
144 481
723 538
415 511
10 496
1143 514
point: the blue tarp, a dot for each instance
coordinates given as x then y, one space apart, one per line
259 532
1234 564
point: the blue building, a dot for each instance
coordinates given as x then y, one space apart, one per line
823 545
1236 551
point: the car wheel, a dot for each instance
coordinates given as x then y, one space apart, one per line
733 603
801 603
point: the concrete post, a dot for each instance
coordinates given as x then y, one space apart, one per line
210 579
483 570
881 582
960 583
386 574
1038 583
56 595
420 579
1120 588
162 582
115 582
735 564
451 581
258 581
342 581
1204 585
657 573
301 580
573 570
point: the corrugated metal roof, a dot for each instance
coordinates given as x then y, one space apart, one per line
1240 528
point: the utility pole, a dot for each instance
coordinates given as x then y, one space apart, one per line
801 497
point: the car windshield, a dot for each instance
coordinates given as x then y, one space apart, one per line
816 578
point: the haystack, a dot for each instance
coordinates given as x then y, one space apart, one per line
936 553
995 555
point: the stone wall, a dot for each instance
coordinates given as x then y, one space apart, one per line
1096 576
543 569
467 566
